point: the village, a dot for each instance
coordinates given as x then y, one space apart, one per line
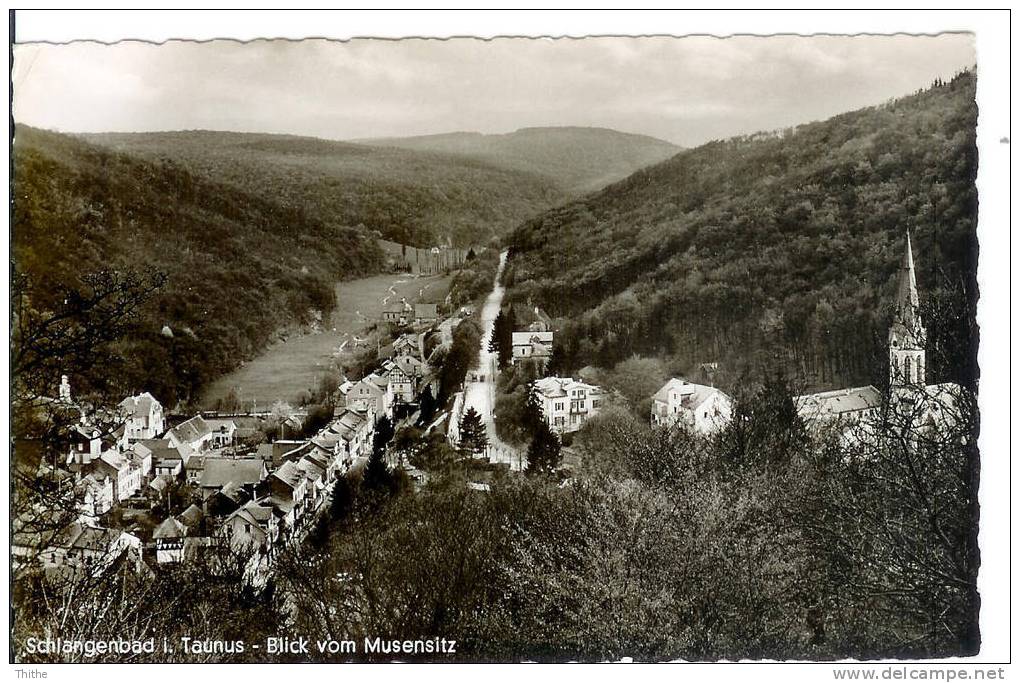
151 490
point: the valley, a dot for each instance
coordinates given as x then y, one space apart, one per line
295 364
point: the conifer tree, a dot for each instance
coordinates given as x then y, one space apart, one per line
473 439
533 417
544 454
498 329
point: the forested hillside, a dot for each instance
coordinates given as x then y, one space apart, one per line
781 244
415 198
238 266
577 159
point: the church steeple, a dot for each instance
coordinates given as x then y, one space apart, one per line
907 334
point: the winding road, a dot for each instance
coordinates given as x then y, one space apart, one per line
480 386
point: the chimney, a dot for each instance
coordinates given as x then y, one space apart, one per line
65 389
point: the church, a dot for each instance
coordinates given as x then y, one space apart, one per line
911 398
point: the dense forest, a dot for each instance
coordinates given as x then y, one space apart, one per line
576 159
235 266
415 198
783 244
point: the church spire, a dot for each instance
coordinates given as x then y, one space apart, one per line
907 333
907 302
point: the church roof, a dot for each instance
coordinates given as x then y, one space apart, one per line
838 402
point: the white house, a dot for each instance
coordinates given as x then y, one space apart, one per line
535 344
287 486
566 403
251 528
126 474
195 433
224 431
143 417
371 395
704 408
169 538
96 494
360 433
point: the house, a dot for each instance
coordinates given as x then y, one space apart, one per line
408 345
169 538
286 488
193 520
704 408
96 494
224 431
171 468
195 433
166 458
401 385
532 344
142 416
398 312
406 375
252 528
273 454
566 403
227 500
218 472
194 468
86 445
356 433
179 538
126 475
142 456
161 482
315 468
425 314
90 547
371 395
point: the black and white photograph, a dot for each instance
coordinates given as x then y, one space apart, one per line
497 346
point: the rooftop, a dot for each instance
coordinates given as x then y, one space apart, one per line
838 401
221 471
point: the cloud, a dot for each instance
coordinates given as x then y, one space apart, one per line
687 90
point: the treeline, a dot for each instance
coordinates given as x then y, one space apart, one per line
473 281
785 245
414 198
237 266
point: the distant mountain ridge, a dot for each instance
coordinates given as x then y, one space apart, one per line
419 198
578 159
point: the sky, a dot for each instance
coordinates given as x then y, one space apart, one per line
684 90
